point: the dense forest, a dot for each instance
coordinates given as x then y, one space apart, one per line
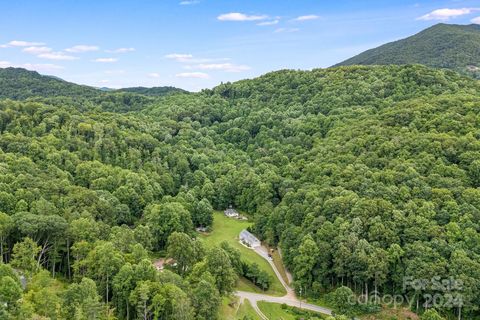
155 91
448 46
363 176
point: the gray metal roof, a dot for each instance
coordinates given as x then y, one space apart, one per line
248 237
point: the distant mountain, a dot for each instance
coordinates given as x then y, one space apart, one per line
154 91
19 84
106 89
448 46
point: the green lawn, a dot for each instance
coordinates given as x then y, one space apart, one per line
277 260
227 229
274 311
246 310
244 284
230 310
322 302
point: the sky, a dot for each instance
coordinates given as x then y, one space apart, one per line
196 44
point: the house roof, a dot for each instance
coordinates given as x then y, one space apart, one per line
247 236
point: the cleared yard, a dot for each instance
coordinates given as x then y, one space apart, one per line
228 229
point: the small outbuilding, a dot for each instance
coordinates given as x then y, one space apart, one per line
231 213
249 239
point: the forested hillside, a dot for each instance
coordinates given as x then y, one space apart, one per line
18 83
448 46
362 175
155 91
21 84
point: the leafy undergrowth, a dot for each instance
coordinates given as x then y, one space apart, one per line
392 314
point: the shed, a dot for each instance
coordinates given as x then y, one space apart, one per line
231 213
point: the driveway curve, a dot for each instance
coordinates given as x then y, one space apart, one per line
254 298
289 299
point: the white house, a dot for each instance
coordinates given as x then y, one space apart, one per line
231 213
249 239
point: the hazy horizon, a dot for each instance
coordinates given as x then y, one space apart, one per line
199 44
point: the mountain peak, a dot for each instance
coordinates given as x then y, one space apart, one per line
450 46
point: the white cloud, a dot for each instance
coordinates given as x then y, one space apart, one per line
19 43
153 75
190 2
45 67
476 20
121 50
56 56
47 53
237 16
106 60
104 81
286 30
82 48
41 66
180 57
268 23
446 13
306 18
37 50
195 75
228 67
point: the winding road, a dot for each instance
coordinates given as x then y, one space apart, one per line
289 299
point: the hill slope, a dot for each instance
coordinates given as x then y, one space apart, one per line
364 175
19 84
449 46
154 91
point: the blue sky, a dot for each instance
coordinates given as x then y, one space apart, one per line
195 44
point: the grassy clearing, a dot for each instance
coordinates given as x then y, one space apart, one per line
244 284
322 302
274 311
246 310
227 229
230 310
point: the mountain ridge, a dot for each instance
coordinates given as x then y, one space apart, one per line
14 81
449 46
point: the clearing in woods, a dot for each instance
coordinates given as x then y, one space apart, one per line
228 229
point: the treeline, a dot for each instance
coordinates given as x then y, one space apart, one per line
85 197
115 279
